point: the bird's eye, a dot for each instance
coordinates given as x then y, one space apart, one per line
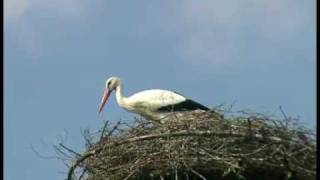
109 83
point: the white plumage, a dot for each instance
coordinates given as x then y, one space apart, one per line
154 104
156 98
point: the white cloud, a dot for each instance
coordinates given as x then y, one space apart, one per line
25 33
214 27
212 30
15 10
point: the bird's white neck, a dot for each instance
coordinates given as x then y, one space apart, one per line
122 101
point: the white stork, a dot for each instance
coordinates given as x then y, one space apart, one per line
153 104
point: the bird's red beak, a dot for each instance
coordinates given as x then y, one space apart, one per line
104 99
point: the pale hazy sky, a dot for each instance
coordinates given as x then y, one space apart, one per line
58 54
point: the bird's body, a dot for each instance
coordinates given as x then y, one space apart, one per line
153 104
154 99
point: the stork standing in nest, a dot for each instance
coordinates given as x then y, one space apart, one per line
154 104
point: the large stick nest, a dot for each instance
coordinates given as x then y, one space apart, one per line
201 145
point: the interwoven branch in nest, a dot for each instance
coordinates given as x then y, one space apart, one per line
201 145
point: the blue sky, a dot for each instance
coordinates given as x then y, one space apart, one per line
58 55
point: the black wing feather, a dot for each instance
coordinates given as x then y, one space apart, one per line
186 105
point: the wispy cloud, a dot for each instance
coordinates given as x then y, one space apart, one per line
216 29
15 10
212 31
22 30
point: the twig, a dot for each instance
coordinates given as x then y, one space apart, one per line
83 173
104 129
60 151
195 133
40 155
284 114
70 150
198 174
114 128
130 174
176 173
78 162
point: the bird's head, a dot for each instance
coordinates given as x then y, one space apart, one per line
111 84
